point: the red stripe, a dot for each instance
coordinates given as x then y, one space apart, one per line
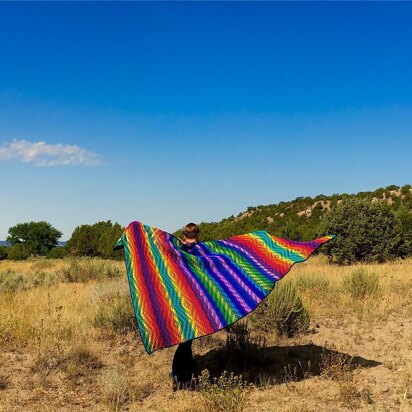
302 248
260 253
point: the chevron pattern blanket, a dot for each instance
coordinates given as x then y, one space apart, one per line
179 296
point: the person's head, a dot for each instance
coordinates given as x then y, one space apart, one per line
191 232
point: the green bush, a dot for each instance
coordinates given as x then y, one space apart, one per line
4 251
84 270
57 253
284 312
18 252
115 312
360 283
365 232
229 393
11 281
42 279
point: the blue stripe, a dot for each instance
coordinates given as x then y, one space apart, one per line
227 294
185 257
234 283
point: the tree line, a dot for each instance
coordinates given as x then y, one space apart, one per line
42 239
367 229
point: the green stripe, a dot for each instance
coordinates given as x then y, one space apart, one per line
244 264
216 293
279 250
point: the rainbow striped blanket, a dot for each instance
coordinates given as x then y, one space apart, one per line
179 296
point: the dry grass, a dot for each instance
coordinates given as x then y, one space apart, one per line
56 352
115 387
228 393
395 280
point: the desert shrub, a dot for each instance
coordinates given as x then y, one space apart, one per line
339 368
48 359
115 387
4 382
4 252
41 279
349 392
283 311
240 344
334 365
18 252
41 264
361 283
11 281
77 361
312 282
228 393
15 331
80 362
115 312
84 270
365 232
57 253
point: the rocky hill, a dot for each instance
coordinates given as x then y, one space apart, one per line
299 218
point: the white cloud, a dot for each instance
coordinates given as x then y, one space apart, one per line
44 154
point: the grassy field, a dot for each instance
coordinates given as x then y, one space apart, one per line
67 342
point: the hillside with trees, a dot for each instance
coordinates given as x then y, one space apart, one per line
299 219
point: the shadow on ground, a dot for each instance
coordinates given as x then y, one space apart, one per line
275 364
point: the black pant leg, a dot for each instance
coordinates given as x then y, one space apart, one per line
183 365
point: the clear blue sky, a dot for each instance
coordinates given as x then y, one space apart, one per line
176 112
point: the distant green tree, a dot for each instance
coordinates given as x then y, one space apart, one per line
404 217
4 251
57 253
365 232
109 235
37 237
98 239
406 189
84 241
290 230
392 187
18 251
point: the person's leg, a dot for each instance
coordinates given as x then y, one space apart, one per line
183 366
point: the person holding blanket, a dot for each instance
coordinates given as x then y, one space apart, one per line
182 290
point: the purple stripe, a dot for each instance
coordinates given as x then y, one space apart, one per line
240 282
223 279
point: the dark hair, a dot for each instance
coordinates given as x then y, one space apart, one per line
191 231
